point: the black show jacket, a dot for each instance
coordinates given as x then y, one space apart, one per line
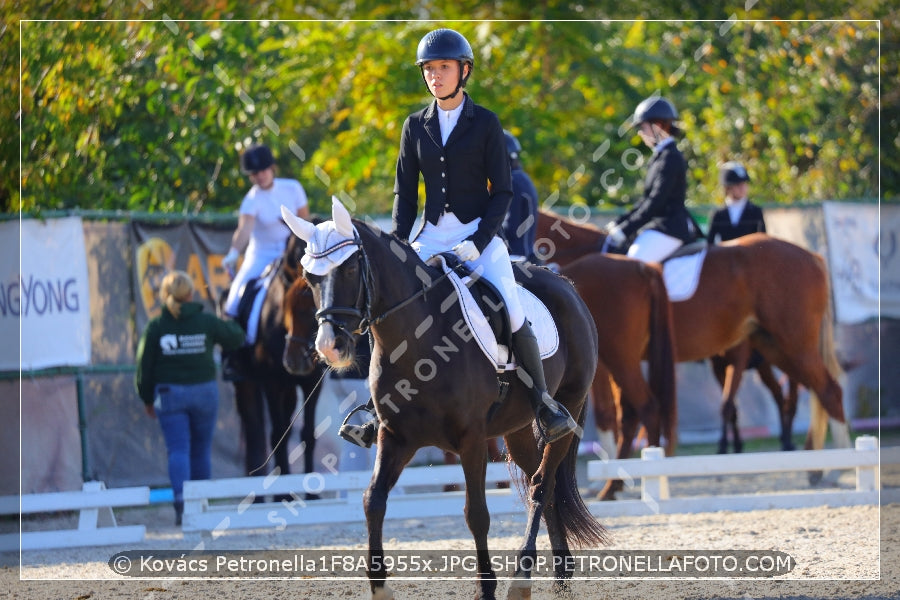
456 175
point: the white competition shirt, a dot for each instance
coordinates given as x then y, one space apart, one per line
270 232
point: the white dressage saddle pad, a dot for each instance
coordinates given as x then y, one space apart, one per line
262 284
682 275
535 311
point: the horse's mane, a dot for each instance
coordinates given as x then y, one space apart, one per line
400 248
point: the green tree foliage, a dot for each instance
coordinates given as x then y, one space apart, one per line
150 111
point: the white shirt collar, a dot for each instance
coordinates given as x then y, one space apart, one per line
735 209
663 144
448 120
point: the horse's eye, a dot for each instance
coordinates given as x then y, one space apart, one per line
352 267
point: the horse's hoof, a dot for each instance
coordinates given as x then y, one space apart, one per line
815 477
519 589
383 593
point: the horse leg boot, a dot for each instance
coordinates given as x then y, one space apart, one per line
362 435
554 421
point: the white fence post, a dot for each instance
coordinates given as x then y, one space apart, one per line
654 488
866 477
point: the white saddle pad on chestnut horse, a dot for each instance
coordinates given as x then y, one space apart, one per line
682 275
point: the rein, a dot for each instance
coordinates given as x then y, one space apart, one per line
366 321
425 289
290 425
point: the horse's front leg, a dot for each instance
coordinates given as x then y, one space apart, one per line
390 459
474 463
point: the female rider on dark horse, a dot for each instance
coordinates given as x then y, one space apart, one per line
459 146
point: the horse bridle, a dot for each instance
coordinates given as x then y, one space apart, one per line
362 310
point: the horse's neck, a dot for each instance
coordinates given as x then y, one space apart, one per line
394 281
587 236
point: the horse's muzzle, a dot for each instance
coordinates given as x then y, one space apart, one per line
337 350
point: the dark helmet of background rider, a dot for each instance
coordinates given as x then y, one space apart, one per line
733 172
256 159
446 44
656 109
513 149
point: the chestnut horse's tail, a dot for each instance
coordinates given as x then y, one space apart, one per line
661 357
826 333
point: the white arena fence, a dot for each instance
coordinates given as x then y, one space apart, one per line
96 522
213 507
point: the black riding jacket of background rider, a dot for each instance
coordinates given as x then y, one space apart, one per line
456 175
662 206
751 221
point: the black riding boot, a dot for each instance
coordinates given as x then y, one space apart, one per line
554 421
362 435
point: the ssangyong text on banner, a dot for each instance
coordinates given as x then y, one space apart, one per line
858 279
48 298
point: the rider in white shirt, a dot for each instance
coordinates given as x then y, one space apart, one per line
261 233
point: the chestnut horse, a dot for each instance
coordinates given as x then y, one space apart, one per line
768 292
435 387
640 327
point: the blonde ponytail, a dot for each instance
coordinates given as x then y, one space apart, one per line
176 289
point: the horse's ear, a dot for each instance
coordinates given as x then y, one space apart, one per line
341 217
302 228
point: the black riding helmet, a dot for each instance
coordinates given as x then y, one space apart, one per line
656 108
256 159
733 172
446 44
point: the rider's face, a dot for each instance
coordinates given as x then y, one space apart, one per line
442 76
737 190
650 133
264 178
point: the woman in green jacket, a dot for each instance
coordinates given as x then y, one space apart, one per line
176 379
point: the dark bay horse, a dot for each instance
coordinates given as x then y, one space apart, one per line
434 386
282 358
768 292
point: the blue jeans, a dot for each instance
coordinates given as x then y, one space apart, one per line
187 416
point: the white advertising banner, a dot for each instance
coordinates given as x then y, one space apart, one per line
48 298
862 279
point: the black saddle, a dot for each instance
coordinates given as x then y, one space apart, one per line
688 249
245 306
486 295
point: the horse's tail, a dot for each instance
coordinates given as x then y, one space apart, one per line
661 357
580 527
818 412
826 332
